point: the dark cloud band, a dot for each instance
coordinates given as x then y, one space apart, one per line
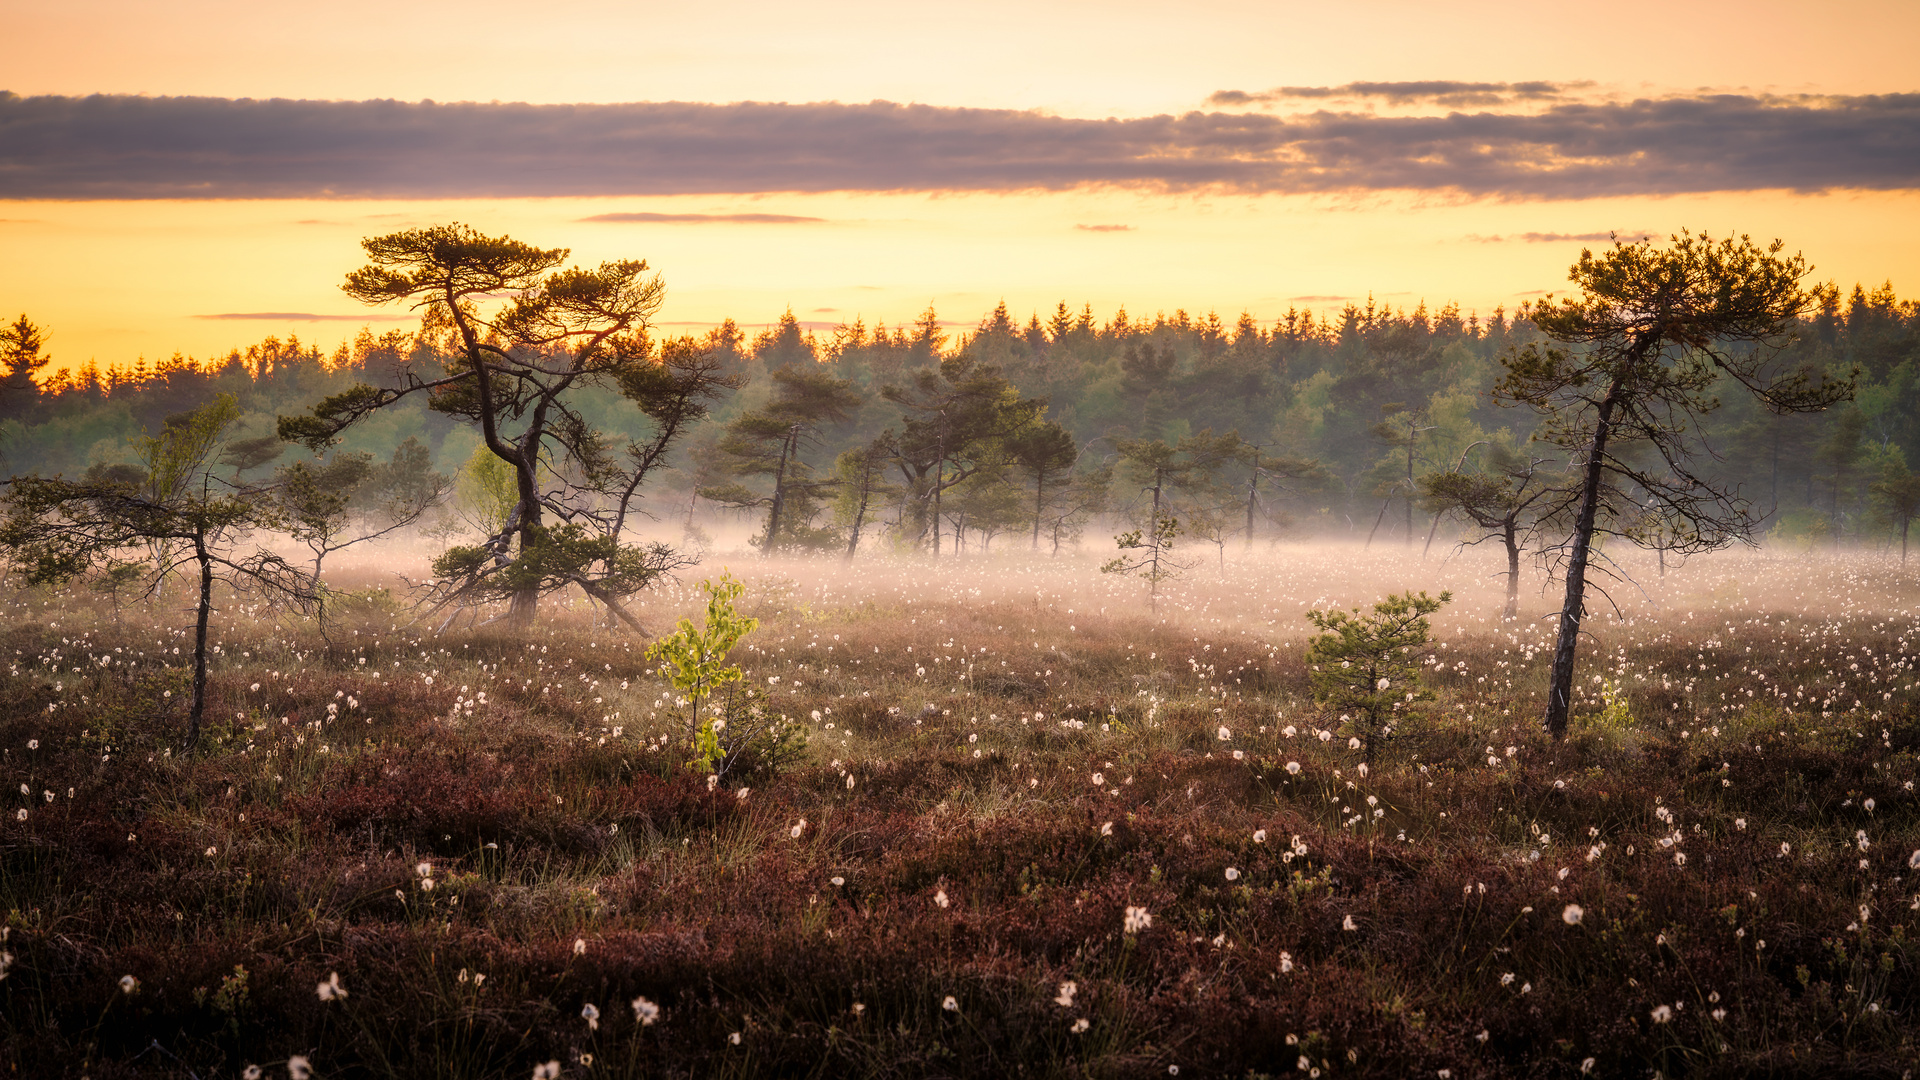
141 148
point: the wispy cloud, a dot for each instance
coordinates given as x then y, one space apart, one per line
1433 91
1104 228
105 147
304 316
1626 235
1321 299
643 218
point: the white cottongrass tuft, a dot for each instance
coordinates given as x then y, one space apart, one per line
1137 919
1573 914
331 989
645 1011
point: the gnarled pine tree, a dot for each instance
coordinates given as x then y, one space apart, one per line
1639 357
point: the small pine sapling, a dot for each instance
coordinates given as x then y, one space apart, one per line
1146 555
1363 667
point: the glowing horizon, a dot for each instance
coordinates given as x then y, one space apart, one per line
1247 157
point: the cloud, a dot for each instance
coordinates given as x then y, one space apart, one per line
703 219
1435 91
1104 228
119 147
1321 299
304 316
1627 235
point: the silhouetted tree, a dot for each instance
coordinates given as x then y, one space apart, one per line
1638 355
514 371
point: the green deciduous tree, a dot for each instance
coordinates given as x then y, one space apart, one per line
694 660
1362 665
1632 364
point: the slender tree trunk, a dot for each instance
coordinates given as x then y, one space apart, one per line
860 508
1410 487
1904 522
779 495
1572 608
1384 505
1431 529
939 474
205 558
1039 505
1153 571
1253 494
1513 573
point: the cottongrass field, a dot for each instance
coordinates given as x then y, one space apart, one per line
1020 825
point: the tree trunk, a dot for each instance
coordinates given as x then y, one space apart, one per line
860 510
1560 686
1253 493
1410 488
939 474
1039 505
1513 573
1376 523
205 559
614 607
1153 572
779 495
1431 529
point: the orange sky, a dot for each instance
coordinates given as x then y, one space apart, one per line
116 279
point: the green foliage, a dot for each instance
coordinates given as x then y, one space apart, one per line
484 491
1363 666
694 659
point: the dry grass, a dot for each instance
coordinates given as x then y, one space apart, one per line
956 842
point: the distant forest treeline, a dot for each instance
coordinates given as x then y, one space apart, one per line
1350 391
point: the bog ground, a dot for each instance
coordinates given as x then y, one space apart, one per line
1019 824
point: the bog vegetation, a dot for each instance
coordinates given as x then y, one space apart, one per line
1083 699
1009 822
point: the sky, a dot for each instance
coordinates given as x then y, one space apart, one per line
195 176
